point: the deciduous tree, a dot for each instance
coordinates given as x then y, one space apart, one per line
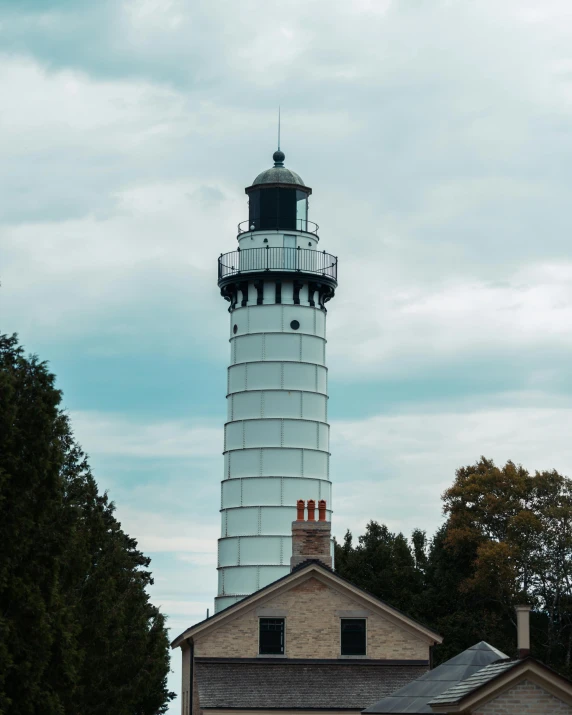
507 539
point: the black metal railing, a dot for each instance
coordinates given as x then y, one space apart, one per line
254 260
270 224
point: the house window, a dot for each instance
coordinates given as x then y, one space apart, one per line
271 641
353 636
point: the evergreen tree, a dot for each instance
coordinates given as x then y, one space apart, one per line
463 618
382 563
38 644
78 633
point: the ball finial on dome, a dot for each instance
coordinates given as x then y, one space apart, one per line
278 157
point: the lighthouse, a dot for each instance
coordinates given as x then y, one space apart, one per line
276 437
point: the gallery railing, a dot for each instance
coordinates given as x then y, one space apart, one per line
277 258
271 224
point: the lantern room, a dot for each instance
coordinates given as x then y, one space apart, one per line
278 200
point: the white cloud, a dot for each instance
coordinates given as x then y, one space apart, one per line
393 468
110 434
200 559
181 607
409 326
195 537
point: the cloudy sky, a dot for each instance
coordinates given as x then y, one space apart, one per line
437 136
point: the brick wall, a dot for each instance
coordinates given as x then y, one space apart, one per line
312 628
311 540
526 698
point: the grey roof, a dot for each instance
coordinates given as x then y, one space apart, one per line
416 696
291 684
460 690
278 174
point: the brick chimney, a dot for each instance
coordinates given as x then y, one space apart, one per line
311 538
523 630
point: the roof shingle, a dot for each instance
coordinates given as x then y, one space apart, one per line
416 697
283 684
459 691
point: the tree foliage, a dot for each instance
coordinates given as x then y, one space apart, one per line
78 633
507 540
384 564
520 527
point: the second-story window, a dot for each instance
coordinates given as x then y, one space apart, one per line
353 636
271 638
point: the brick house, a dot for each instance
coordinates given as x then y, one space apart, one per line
310 641
483 681
513 687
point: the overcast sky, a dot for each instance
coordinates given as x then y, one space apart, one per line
437 137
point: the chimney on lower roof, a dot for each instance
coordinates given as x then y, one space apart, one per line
311 538
523 630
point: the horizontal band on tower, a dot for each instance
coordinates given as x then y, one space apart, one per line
272 491
272 419
277 461
263 506
279 362
257 521
269 347
271 448
277 318
269 404
237 551
276 432
277 332
277 375
230 480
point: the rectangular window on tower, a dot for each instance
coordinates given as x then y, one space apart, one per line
271 636
353 636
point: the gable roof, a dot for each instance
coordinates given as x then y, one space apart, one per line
496 678
305 570
227 683
416 696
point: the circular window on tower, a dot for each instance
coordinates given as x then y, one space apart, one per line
294 325
235 328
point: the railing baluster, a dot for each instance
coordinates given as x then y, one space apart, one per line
277 258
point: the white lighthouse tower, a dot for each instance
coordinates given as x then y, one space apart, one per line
276 440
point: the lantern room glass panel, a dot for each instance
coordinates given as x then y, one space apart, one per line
274 207
301 210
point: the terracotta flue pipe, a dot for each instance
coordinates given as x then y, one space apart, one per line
311 510
300 510
322 510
